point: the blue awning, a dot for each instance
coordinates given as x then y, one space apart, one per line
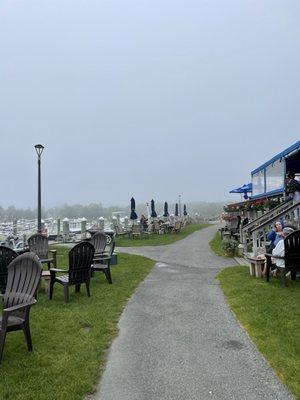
243 189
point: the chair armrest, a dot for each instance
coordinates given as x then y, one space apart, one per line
102 258
58 270
18 307
271 255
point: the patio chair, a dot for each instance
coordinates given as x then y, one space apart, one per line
79 271
38 244
291 257
23 278
136 231
102 263
177 227
6 257
98 240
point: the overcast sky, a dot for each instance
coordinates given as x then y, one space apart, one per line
145 98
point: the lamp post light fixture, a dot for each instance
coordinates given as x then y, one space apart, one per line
39 149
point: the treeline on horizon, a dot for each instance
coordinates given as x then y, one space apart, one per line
96 210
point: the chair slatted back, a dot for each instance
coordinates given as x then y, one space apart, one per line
38 244
177 225
136 229
6 257
292 250
24 274
98 240
80 260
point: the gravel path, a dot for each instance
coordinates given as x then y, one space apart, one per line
178 339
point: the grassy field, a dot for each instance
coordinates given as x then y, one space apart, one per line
69 340
271 315
216 245
156 240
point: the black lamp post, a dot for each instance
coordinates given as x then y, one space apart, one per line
39 149
179 202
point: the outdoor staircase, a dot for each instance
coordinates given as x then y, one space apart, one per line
257 230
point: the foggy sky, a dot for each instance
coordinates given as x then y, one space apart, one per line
145 98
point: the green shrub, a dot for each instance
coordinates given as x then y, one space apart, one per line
229 246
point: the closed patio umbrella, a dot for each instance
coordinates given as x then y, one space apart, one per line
166 212
133 215
176 209
184 210
153 212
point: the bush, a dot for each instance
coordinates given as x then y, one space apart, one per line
229 246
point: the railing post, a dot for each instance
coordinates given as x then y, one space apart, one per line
83 228
101 224
126 223
66 229
254 241
15 227
58 230
115 224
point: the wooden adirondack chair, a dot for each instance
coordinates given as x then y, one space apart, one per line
24 274
98 240
79 271
38 244
136 231
102 263
6 257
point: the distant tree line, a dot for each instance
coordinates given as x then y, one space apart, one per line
96 210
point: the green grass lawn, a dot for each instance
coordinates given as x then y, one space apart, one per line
156 240
271 315
216 245
69 340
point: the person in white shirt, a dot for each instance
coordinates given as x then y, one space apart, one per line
279 249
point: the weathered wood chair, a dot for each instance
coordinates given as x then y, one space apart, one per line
136 231
23 278
177 227
6 257
291 257
38 244
98 240
79 271
102 262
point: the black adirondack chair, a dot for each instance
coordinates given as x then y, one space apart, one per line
38 244
6 257
102 262
79 271
98 240
291 257
24 274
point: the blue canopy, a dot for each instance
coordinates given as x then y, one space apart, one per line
243 189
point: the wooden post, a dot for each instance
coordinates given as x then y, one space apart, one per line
58 230
15 229
83 228
126 223
66 229
101 224
254 241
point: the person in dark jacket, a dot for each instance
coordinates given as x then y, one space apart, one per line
293 189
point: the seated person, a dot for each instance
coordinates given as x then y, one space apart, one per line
279 249
275 236
143 222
